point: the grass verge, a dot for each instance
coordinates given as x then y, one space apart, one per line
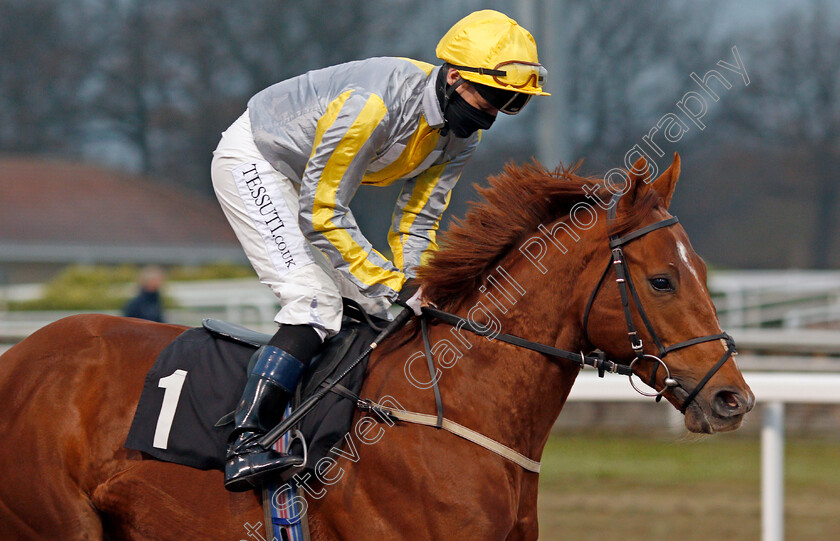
625 488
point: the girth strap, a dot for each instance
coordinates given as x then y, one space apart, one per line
459 430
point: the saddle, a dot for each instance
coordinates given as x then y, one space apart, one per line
185 412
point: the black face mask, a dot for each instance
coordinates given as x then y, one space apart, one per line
461 117
464 119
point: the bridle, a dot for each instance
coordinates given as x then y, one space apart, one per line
598 360
627 291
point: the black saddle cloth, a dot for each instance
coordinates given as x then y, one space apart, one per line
198 380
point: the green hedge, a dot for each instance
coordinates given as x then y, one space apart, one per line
103 287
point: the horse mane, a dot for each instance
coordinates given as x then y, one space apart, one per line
514 204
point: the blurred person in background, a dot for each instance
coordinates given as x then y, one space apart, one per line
286 171
148 303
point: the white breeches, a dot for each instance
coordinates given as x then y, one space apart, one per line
262 206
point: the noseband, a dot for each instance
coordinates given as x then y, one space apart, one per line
627 291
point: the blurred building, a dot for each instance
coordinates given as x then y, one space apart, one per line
55 213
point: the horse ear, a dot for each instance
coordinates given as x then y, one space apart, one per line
639 178
640 172
667 181
641 182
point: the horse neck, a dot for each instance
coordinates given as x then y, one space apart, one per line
511 392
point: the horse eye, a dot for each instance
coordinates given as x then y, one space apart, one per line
661 284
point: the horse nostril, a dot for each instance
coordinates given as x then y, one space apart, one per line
728 404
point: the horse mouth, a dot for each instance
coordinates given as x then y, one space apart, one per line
701 417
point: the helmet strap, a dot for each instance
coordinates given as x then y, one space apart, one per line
448 91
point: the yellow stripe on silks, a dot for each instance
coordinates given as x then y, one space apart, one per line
327 120
422 142
423 189
425 66
323 209
433 247
395 242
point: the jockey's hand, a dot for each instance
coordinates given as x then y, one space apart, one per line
411 296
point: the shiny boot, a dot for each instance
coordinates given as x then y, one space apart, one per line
270 385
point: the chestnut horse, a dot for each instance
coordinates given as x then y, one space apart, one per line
68 392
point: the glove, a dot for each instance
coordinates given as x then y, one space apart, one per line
411 296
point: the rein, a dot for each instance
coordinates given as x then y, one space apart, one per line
597 360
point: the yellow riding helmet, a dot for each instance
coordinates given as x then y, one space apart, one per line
490 48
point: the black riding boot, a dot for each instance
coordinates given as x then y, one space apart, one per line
270 385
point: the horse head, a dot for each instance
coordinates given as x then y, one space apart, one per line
652 309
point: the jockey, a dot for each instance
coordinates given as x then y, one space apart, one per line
286 170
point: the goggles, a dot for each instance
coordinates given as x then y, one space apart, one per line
513 73
509 102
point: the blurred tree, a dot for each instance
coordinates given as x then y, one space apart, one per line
41 72
618 74
148 85
170 76
794 102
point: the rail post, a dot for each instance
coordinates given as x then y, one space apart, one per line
773 472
